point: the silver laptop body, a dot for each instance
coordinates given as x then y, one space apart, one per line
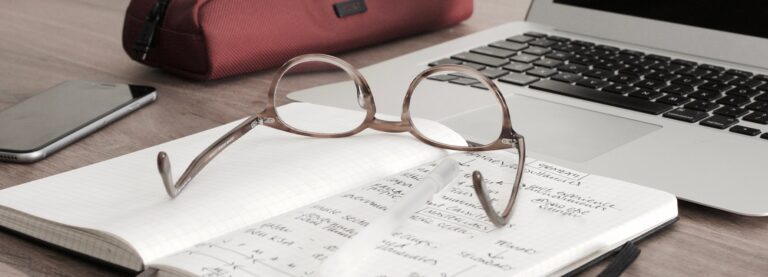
704 165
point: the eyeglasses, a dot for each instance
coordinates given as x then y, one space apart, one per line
360 93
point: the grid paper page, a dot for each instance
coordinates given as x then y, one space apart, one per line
562 216
265 173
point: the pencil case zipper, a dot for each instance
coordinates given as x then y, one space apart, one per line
146 39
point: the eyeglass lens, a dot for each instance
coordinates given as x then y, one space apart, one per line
320 76
450 105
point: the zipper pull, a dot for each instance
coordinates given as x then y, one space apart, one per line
147 37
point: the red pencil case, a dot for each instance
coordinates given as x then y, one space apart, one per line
211 39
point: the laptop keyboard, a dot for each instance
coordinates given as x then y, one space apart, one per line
709 95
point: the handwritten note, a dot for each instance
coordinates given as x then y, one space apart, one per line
560 217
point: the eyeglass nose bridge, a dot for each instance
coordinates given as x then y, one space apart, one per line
390 126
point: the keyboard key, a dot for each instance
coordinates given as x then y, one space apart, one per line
607 47
685 62
743 92
719 122
508 45
610 65
636 71
494 73
701 105
624 58
518 79
445 61
524 58
619 88
731 111
559 55
565 47
737 72
585 51
573 68
548 63
658 57
764 136
603 52
667 67
536 34
674 100
711 67
689 81
695 72
715 86
706 95
568 77
518 67
443 78
646 94
592 83
535 50
541 72
494 52
662 76
465 81
686 115
641 63
480 86
763 77
651 84
460 75
757 117
474 66
584 60
758 106
607 60
521 38
745 130
559 39
542 42
624 79
732 100
583 43
763 97
634 104
678 89
599 73
719 78
746 83
480 59
632 52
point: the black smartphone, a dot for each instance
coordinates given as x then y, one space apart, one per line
41 125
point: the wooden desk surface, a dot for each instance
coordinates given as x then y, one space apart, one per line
44 42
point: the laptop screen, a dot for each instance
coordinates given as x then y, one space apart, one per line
737 16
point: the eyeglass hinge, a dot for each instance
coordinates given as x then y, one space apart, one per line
515 140
509 141
261 120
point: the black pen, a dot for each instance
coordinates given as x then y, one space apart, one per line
628 253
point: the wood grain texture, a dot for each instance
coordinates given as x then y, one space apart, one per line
44 42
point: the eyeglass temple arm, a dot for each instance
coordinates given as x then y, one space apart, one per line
482 192
164 163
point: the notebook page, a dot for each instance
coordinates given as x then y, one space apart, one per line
265 173
562 216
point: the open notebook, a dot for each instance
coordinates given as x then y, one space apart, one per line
277 204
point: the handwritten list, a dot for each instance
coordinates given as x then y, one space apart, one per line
560 217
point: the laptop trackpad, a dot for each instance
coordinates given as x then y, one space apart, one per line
557 130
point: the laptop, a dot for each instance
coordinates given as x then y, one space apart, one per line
668 94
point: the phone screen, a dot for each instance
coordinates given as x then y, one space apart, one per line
61 110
